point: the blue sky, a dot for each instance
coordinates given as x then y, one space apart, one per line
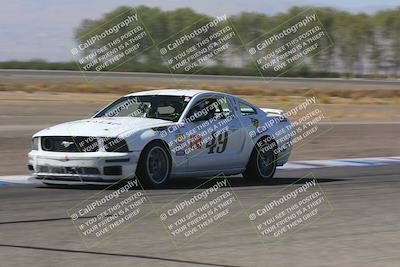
44 28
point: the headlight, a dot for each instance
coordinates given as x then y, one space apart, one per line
35 143
115 144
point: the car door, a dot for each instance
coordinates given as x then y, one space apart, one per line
216 140
248 115
250 123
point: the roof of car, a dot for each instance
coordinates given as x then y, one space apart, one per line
174 92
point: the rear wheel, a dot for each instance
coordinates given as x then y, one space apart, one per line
154 165
262 163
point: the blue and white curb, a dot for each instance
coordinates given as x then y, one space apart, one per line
354 162
17 179
291 165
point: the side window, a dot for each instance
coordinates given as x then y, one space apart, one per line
215 107
246 109
222 110
202 106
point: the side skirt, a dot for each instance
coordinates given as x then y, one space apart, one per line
207 173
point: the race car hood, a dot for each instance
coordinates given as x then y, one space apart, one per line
102 127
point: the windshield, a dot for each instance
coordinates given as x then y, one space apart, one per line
154 106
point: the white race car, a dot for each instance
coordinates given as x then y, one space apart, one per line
156 135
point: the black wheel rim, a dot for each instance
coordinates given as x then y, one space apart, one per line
266 162
157 165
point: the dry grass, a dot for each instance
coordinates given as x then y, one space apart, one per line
343 110
324 96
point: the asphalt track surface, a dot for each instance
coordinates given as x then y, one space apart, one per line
60 76
361 230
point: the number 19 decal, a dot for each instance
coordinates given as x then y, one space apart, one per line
217 143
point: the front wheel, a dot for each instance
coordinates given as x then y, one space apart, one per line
261 165
154 165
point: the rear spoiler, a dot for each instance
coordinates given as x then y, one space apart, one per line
272 111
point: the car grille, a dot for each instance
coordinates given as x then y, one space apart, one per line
68 170
69 144
45 178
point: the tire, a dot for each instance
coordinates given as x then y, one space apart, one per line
154 166
262 163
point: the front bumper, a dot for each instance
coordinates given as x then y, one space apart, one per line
86 168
